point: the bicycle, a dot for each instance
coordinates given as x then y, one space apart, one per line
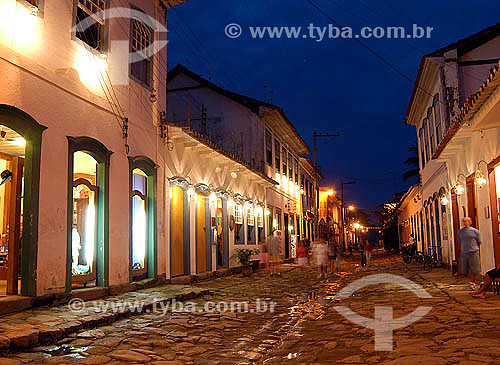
432 261
410 253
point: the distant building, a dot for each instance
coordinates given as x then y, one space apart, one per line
308 178
329 218
409 215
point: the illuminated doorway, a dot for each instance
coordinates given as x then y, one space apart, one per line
25 126
494 184
220 233
88 214
12 153
84 224
177 229
287 236
143 233
203 250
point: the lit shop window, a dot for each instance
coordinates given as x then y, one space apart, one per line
277 224
239 237
250 225
90 22
270 219
260 224
85 205
139 221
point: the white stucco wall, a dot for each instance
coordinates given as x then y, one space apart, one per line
31 80
190 160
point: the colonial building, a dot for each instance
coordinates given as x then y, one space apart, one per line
216 204
409 211
446 79
80 148
471 150
329 218
255 132
309 175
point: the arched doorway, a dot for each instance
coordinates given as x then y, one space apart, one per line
143 236
20 143
87 260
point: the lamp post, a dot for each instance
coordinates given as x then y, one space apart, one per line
343 209
316 174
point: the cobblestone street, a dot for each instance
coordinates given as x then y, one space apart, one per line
303 329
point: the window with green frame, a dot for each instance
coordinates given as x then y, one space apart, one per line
239 234
250 225
269 217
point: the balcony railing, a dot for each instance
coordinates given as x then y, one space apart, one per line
211 129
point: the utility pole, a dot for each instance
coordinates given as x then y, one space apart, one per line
315 161
342 209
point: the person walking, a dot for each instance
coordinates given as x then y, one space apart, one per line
337 257
469 239
264 256
332 256
320 254
362 251
302 255
274 248
368 252
350 248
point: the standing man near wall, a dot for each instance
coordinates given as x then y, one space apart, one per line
469 239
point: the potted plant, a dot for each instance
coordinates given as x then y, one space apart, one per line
243 256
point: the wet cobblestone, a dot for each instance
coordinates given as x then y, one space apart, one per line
303 329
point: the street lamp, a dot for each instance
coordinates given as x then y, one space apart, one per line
330 192
351 207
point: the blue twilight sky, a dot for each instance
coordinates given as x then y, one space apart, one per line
329 86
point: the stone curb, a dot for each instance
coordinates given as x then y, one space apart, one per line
23 337
26 337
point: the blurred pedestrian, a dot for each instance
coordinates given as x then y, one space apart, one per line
350 248
470 241
332 256
362 251
368 252
320 255
264 255
274 248
302 255
338 254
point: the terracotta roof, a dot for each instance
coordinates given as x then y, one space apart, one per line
172 3
471 107
252 104
463 46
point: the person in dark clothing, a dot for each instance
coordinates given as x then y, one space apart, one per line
362 251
